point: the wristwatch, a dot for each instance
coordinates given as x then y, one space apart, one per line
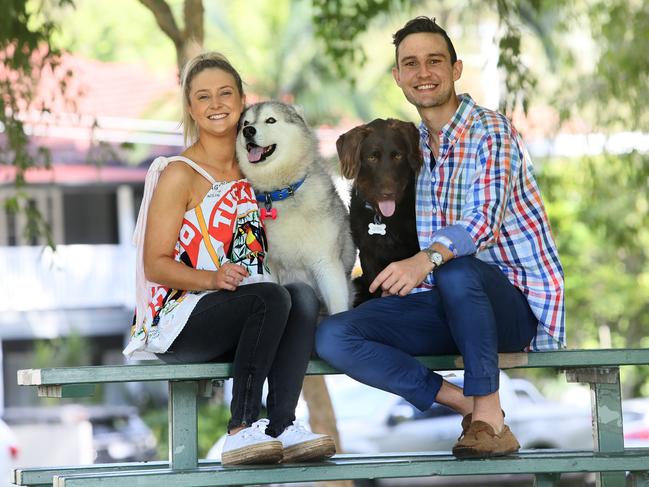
434 257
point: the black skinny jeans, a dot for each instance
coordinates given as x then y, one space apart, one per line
268 331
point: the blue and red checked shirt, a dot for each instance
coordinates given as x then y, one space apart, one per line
480 197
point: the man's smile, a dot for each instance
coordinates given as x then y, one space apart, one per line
428 86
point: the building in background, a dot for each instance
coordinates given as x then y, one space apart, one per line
89 197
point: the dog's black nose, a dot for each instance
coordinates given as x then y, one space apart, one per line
249 132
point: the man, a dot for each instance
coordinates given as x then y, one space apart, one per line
488 278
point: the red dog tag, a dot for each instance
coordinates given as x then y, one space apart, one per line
272 214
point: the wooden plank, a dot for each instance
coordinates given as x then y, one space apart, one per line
126 373
583 358
42 476
66 390
29 377
349 468
156 371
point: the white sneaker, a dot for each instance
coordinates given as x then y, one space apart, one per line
251 445
301 445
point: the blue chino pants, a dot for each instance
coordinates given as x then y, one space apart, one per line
473 310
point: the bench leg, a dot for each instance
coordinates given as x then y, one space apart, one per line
606 405
183 425
547 479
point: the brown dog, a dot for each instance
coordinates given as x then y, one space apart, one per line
383 158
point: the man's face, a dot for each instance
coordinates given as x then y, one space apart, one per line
424 71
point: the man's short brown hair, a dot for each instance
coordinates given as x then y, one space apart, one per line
418 25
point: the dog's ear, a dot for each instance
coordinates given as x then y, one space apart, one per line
411 134
349 150
299 109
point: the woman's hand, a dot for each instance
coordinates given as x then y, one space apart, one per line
229 276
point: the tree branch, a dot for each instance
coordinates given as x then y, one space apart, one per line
165 19
193 11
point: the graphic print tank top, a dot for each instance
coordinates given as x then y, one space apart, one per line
224 227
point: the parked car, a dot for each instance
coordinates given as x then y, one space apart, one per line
118 433
636 422
8 453
373 421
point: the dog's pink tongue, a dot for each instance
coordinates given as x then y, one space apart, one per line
386 207
255 153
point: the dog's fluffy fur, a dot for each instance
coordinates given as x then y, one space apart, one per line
383 158
310 239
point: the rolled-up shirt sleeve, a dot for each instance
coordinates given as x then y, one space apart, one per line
486 199
456 239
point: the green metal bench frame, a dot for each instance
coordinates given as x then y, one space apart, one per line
599 368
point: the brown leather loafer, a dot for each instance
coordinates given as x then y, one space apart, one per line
481 441
466 422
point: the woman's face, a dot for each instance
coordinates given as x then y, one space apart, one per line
215 103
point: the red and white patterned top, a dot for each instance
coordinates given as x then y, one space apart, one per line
224 227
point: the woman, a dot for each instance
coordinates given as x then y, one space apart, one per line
204 291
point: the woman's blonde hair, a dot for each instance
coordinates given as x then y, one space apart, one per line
193 67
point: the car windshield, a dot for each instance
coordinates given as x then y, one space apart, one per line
110 424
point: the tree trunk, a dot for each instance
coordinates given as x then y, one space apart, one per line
322 418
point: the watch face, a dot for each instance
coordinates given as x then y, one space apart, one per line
435 257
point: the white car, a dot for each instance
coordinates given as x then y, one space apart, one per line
636 422
8 454
373 421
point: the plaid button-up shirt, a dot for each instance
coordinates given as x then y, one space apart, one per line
480 197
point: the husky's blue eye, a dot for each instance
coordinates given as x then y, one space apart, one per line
270 120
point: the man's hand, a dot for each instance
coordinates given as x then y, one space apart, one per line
402 276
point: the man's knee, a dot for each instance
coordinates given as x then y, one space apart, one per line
457 275
329 338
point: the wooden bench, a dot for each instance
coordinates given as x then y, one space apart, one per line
600 368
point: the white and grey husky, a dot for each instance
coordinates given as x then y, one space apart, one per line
306 221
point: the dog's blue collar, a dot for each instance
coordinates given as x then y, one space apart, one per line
268 197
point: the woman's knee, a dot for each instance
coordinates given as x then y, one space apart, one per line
304 301
273 297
